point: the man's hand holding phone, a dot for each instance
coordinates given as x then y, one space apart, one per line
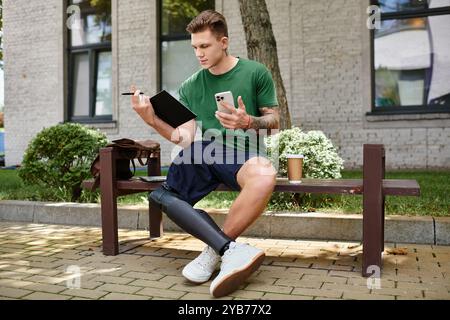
143 107
236 118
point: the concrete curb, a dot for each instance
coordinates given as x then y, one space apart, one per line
301 226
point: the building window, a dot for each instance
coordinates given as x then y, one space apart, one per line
411 57
177 58
90 63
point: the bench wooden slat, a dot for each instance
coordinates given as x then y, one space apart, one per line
394 187
327 186
307 185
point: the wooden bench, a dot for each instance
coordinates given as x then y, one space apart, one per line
373 187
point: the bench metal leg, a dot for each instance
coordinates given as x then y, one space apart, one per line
155 227
382 226
383 175
155 214
108 192
373 209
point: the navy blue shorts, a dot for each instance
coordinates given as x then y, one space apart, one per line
200 168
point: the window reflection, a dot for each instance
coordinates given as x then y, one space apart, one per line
402 5
396 25
177 57
95 24
412 62
179 64
389 6
81 85
103 104
176 14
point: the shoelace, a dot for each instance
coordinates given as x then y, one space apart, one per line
228 252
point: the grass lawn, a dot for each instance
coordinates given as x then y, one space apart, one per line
434 199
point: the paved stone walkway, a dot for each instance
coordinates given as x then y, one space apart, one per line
42 262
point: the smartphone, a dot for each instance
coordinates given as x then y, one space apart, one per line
226 96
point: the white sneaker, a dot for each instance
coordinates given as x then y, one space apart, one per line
201 268
238 263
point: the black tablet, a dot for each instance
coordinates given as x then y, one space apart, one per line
170 110
153 178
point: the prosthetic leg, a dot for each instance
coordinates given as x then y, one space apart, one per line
196 222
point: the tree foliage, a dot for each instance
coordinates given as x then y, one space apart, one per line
178 13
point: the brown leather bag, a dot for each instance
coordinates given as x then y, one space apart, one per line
128 150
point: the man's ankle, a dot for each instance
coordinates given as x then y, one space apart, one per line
224 248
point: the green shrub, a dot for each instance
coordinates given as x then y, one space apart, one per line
60 157
321 162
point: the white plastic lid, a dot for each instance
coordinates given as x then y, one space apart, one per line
295 156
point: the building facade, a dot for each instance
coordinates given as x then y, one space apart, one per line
356 81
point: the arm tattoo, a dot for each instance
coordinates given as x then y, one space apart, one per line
270 119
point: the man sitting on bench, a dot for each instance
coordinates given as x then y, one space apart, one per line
192 175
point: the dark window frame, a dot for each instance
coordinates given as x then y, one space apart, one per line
93 51
394 110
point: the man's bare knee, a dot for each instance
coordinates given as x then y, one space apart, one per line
261 167
266 182
260 171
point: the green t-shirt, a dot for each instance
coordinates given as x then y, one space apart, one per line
249 79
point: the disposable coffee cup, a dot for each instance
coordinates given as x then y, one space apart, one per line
295 167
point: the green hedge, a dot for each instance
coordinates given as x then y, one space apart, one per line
60 157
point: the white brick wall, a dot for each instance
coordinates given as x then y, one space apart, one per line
322 50
32 56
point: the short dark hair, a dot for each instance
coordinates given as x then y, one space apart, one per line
209 19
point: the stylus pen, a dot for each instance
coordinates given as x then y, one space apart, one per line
129 93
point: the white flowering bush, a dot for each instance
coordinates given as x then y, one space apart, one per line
321 157
321 162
